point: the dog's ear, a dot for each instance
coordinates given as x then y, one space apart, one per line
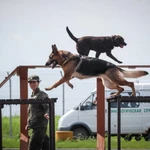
54 49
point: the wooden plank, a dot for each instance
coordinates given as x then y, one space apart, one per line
100 115
23 73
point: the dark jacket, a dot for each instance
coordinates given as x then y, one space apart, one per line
36 112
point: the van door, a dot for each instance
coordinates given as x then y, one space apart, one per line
87 113
145 118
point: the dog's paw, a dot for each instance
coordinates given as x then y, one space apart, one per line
133 95
112 96
48 89
120 62
71 86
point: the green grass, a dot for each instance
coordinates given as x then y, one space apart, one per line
14 142
89 143
133 144
15 127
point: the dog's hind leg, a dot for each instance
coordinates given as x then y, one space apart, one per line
117 77
131 85
111 85
120 89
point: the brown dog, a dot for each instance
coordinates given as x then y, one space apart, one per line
87 67
98 44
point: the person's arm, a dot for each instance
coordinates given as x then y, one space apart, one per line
27 127
46 116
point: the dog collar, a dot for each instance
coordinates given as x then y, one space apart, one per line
71 57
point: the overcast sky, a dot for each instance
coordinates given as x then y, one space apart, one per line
28 28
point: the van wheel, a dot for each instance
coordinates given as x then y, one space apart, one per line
147 138
128 138
80 133
138 137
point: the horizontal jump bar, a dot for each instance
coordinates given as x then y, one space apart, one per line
129 99
27 101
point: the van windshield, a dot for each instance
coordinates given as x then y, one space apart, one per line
89 100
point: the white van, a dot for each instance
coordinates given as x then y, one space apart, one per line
135 117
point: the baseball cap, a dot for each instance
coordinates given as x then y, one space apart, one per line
34 78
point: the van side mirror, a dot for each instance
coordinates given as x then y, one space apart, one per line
81 107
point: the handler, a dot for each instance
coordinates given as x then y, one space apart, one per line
38 115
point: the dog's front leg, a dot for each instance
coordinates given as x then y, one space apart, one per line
69 84
109 54
97 54
62 80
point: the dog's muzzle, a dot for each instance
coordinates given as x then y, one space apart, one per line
125 44
48 64
51 63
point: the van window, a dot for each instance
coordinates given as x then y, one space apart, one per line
126 104
88 103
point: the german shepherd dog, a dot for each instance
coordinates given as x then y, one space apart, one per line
98 44
87 67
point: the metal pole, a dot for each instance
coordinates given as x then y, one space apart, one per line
1 106
63 91
109 125
119 121
52 126
50 133
10 107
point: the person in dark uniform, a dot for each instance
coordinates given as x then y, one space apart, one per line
38 115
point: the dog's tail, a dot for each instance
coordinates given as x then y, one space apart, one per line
71 35
134 73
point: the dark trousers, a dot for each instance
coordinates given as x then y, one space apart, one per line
46 143
39 140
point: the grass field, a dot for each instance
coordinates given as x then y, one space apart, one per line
14 142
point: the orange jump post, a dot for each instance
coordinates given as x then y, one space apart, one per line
100 115
23 74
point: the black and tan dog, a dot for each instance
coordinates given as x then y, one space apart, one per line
98 44
87 67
